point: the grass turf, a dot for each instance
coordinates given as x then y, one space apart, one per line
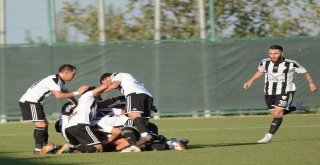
225 140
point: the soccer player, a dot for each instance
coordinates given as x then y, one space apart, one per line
279 88
31 102
109 127
139 100
78 131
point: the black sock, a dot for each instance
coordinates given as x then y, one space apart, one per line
39 136
275 125
291 109
140 123
46 135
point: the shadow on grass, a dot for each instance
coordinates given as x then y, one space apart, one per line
34 160
196 146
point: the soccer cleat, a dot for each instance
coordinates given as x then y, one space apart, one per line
64 148
143 140
131 149
184 142
36 151
178 146
128 149
49 147
301 107
135 149
266 139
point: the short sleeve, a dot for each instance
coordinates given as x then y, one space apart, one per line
53 86
298 68
261 66
118 77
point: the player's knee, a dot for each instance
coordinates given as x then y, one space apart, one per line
41 124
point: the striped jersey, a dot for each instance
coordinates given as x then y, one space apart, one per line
43 89
279 76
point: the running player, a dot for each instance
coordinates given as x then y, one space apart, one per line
279 88
31 102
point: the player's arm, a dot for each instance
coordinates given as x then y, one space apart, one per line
106 103
113 85
61 94
312 85
257 75
114 134
71 99
99 89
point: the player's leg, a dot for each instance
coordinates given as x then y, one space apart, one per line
280 104
89 143
121 143
290 108
135 108
131 134
34 112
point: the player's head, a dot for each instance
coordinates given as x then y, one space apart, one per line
67 109
275 53
67 72
89 89
105 78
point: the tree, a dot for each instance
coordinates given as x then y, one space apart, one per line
85 20
233 18
248 18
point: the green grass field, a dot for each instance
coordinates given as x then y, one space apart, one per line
225 140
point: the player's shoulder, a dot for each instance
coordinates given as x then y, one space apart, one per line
49 78
290 60
55 78
265 60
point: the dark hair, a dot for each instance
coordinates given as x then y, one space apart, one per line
89 89
277 47
67 109
68 67
104 76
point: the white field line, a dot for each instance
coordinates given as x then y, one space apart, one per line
196 129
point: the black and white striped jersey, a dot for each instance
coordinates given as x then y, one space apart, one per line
278 77
43 89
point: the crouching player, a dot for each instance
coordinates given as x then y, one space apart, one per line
78 130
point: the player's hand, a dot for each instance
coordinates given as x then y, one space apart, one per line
313 87
83 88
247 85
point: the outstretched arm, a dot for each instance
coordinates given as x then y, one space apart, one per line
312 85
61 94
257 75
70 99
112 86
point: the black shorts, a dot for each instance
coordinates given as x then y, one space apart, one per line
81 134
283 101
139 103
32 111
